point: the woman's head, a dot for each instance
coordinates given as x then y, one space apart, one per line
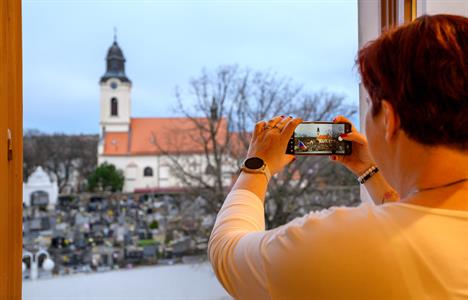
421 70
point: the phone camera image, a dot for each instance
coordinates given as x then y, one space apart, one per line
320 138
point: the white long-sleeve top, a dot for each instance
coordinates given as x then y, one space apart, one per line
393 251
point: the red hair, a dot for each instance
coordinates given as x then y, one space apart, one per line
421 68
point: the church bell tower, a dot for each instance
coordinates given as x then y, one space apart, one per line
115 93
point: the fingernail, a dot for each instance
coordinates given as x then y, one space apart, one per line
334 120
282 116
333 157
343 135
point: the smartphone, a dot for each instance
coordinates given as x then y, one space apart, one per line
319 138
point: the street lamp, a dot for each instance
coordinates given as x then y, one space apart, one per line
47 265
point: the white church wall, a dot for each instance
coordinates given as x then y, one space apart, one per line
163 173
132 167
122 93
112 127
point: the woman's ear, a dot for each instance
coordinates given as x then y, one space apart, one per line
391 120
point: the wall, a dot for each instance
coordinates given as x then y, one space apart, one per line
133 167
119 123
368 30
431 7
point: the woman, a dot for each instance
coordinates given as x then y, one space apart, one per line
415 245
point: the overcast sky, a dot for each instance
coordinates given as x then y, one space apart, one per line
166 43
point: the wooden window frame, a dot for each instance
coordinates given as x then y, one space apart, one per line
396 12
11 150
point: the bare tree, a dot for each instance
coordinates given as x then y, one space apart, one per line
223 107
68 158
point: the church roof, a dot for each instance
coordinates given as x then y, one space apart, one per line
157 136
115 67
115 52
116 143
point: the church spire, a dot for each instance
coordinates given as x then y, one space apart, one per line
115 62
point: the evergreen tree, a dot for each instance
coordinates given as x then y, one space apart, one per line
106 177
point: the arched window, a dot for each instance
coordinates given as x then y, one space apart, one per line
114 107
148 172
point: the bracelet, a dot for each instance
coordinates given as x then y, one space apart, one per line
367 174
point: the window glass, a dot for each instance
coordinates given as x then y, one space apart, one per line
114 107
151 121
148 172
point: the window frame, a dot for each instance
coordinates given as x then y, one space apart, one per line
11 134
396 12
11 149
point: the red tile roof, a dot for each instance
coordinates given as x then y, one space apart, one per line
116 143
153 136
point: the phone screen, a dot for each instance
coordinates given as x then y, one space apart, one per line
320 138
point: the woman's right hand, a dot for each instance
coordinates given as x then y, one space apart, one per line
359 160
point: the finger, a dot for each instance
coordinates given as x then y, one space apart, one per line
275 120
259 127
354 137
343 119
336 158
288 130
283 122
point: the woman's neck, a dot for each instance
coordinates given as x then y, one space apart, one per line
429 177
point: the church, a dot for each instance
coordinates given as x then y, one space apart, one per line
145 148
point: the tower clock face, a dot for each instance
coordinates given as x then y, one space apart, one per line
113 85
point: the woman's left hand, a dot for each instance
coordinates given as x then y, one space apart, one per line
270 139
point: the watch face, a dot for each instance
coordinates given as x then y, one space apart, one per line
113 85
254 163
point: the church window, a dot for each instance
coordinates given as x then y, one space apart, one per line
114 107
148 172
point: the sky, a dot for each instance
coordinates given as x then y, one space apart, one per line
166 43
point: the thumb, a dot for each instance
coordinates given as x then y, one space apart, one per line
289 159
354 137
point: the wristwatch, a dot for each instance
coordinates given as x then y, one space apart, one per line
255 165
